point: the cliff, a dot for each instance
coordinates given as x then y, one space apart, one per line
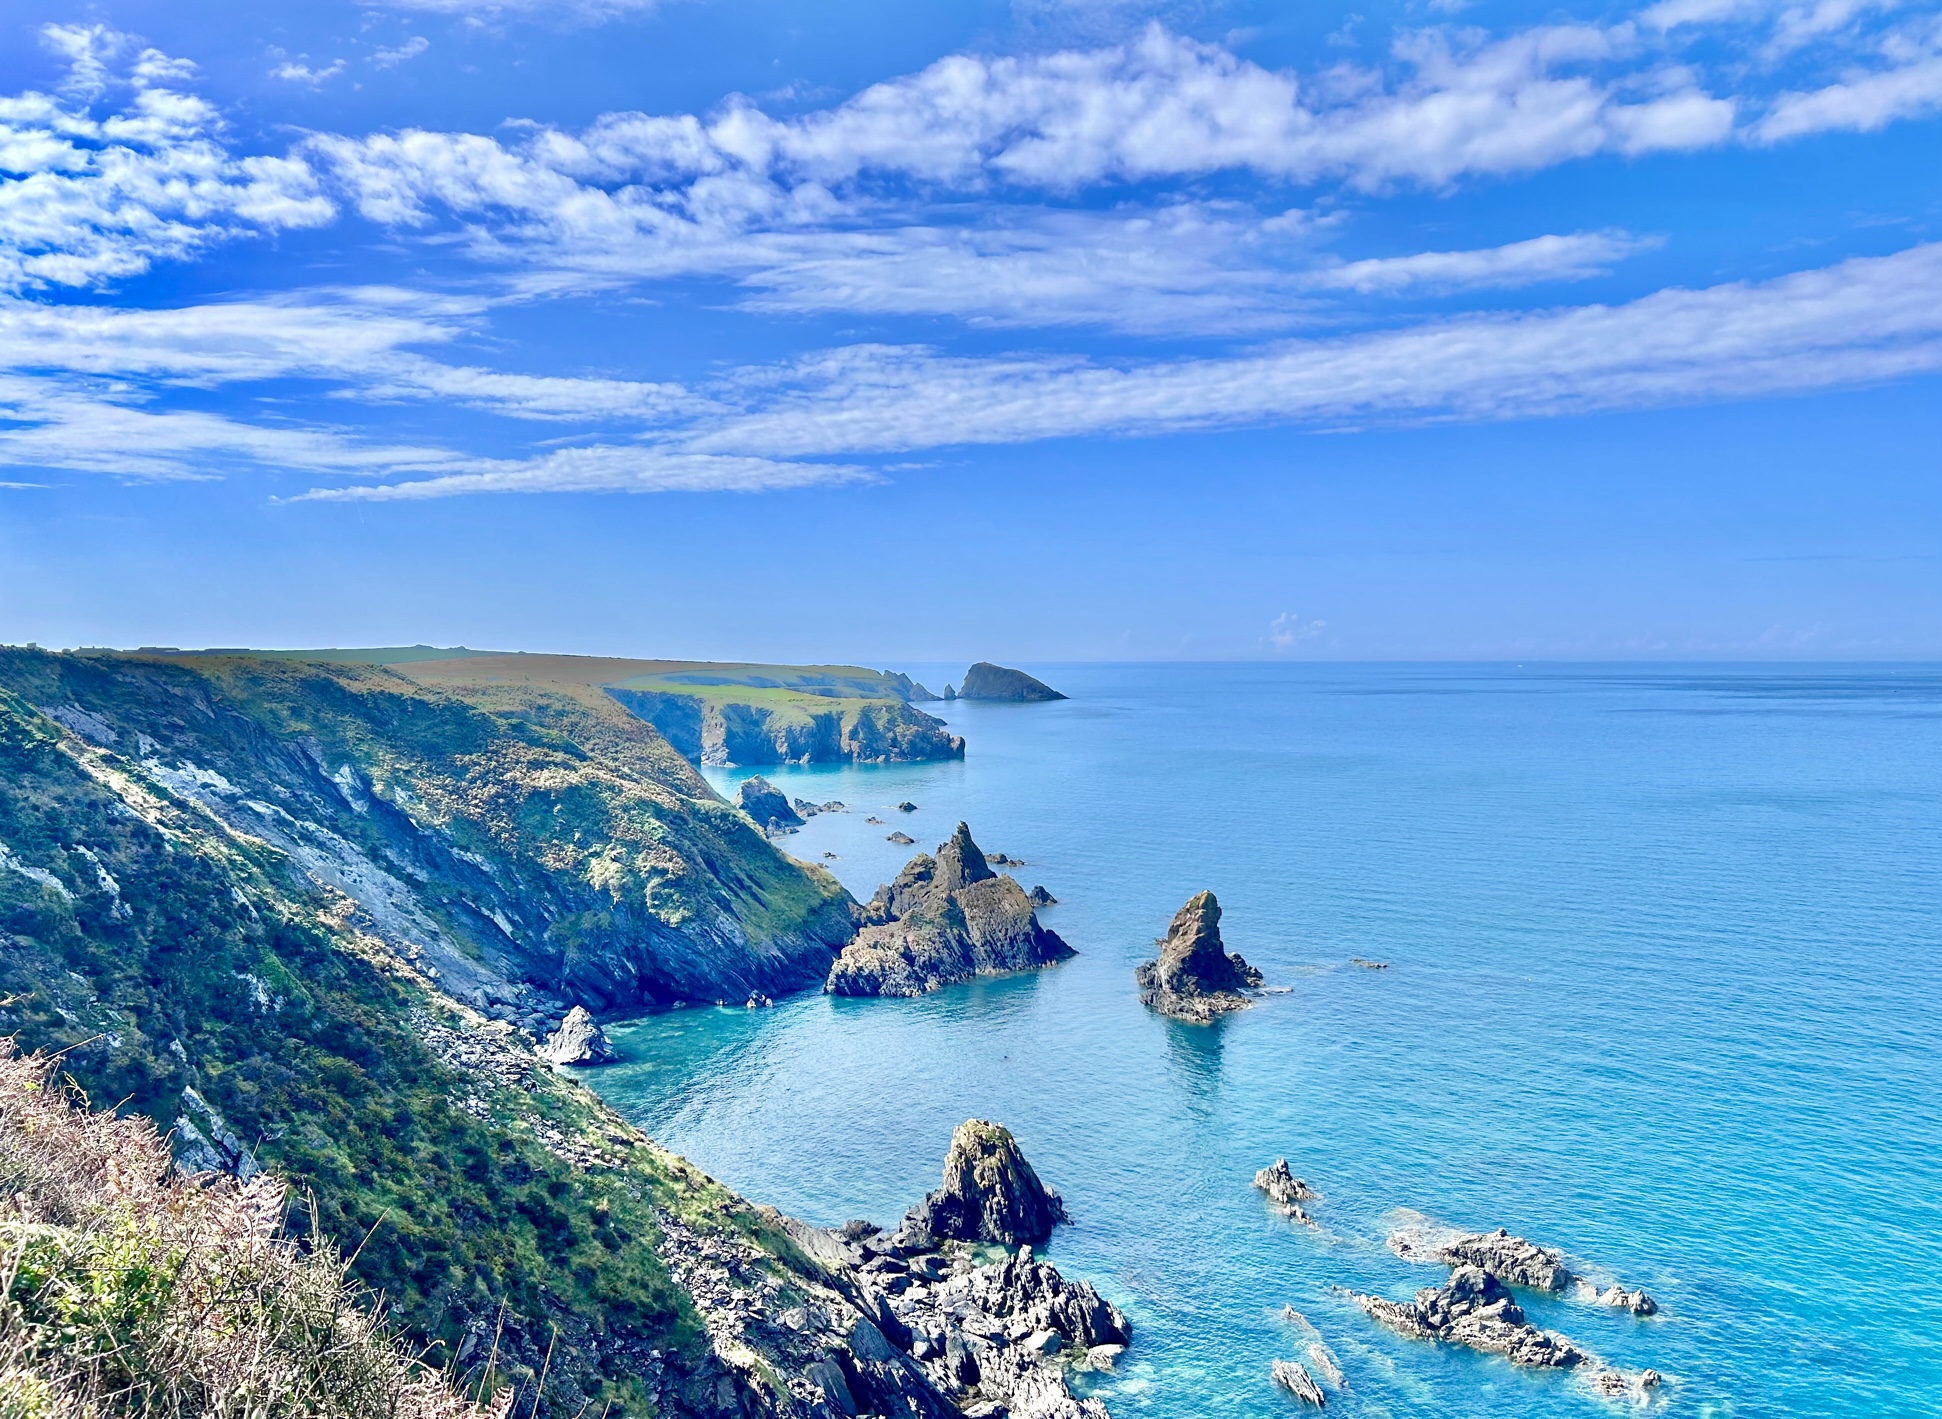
528 847
985 681
230 894
944 919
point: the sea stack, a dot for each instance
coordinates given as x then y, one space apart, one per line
946 918
763 802
990 1192
1196 978
985 681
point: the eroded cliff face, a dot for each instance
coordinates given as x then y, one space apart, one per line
848 731
526 848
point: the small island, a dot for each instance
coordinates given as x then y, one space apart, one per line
1196 978
944 919
985 681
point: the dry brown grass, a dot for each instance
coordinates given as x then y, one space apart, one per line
126 1291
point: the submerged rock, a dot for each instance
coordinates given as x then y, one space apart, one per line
1473 1308
1292 1376
1195 978
943 919
990 1192
579 1040
985 681
763 802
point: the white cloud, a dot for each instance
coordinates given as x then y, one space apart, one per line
1521 263
607 469
1864 101
1861 320
1288 630
404 53
297 73
93 194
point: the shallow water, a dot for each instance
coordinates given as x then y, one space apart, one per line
1663 992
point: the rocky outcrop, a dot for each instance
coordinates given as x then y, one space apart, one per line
985 681
1510 1259
990 1193
942 920
579 1040
1286 1191
1195 977
1637 1302
995 1337
767 805
1043 898
1476 1310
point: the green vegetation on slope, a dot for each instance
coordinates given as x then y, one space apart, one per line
187 969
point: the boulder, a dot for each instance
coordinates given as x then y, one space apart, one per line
1637 1302
1043 898
990 1193
906 807
763 802
579 1040
901 839
1286 1191
1195 978
985 681
944 919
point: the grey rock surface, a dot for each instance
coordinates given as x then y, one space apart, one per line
1510 1259
763 802
1195 978
1292 1376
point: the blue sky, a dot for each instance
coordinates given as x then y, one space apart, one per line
1039 330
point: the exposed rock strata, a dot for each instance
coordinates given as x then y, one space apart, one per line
579 1040
985 681
1473 1308
943 919
1195 977
990 1193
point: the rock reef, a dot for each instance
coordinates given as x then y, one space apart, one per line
1509 1259
1286 1191
1473 1308
1293 1376
985 681
943 919
1195 977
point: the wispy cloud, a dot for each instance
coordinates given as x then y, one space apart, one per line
607 469
402 54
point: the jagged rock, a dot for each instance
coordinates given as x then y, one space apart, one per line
985 681
1286 1191
901 839
906 807
990 1192
1473 1308
1293 1377
1042 898
1508 1258
1195 978
1637 1302
950 692
579 1040
763 802
873 818
943 919
804 808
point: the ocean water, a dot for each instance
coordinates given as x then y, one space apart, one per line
1664 990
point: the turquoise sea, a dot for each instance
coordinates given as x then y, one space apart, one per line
1665 991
